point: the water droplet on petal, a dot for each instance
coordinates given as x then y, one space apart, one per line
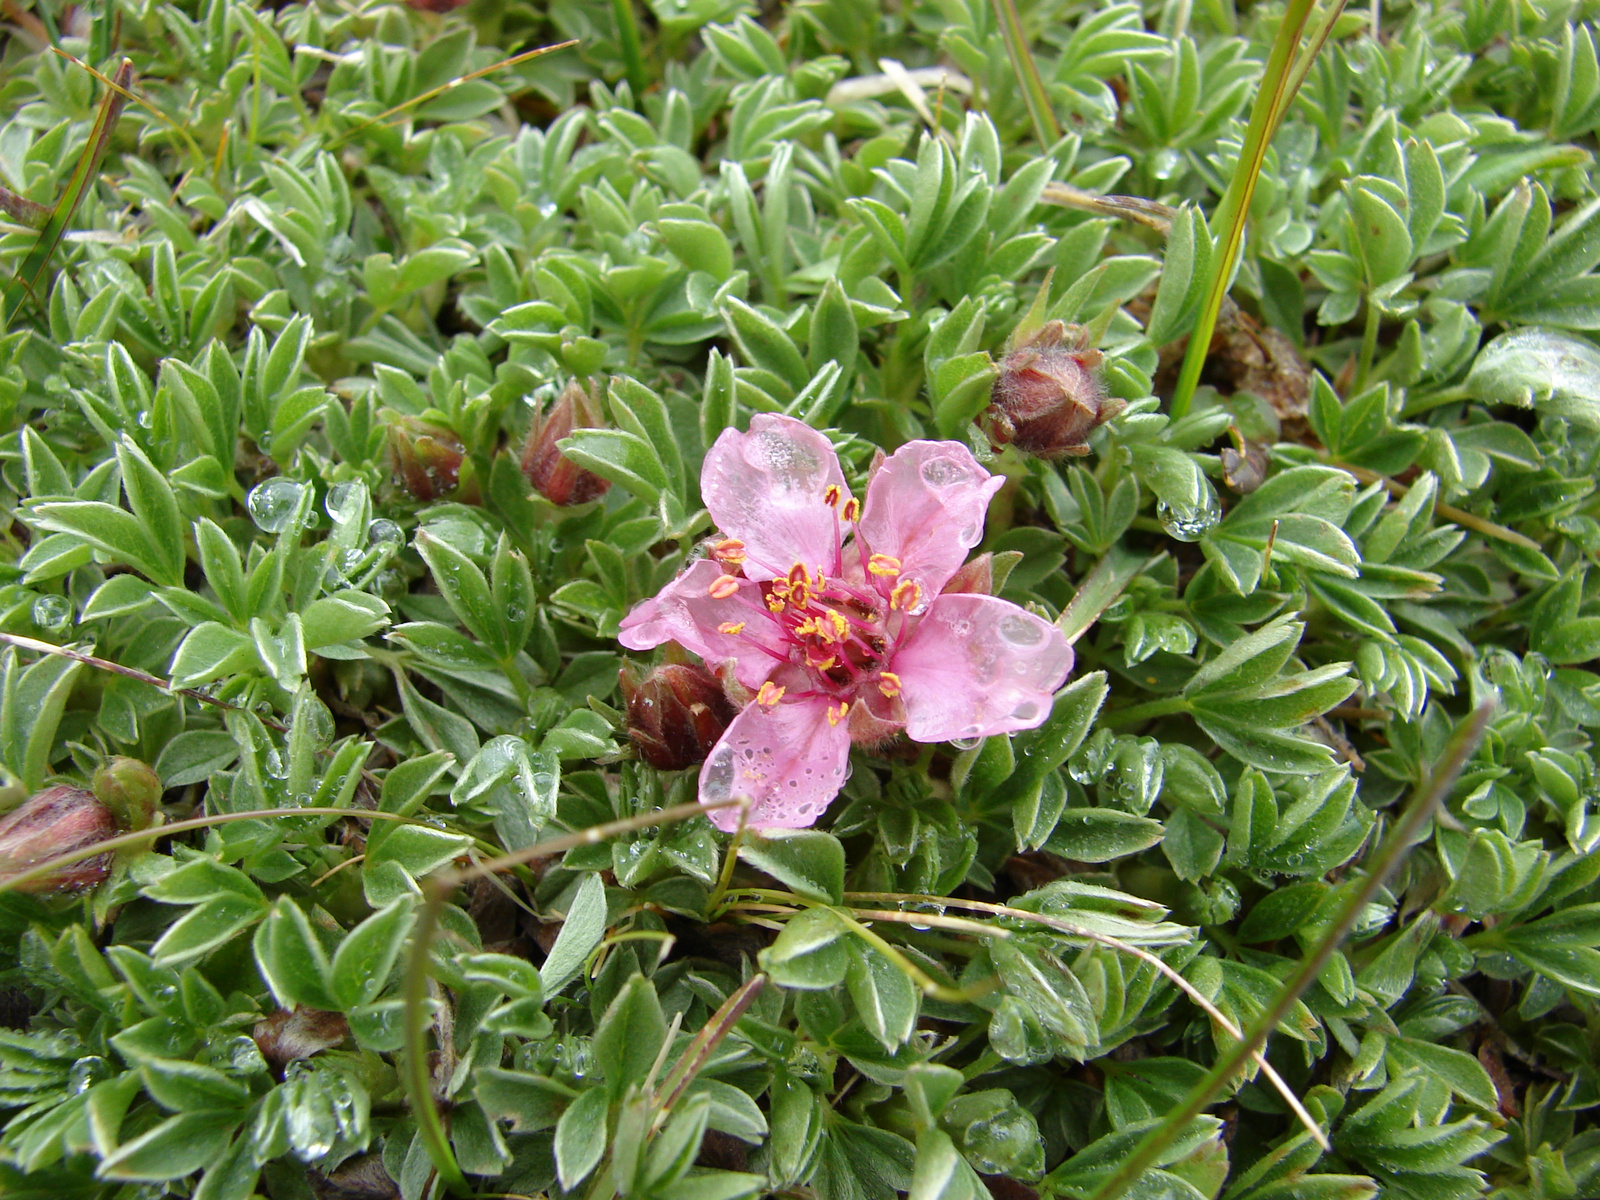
943 472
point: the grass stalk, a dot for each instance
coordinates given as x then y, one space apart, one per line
1045 127
1278 84
1400 839
30 277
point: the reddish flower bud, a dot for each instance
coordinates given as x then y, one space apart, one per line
551 473
129 789
676 713
976 576
426 459
50 823
1048 397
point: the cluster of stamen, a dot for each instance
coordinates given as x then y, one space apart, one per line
842 631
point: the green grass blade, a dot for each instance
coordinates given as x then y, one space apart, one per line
1278 84
1045 127
30 277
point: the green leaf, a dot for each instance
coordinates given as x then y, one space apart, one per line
174 1148
466 590
581 1137
367 955
1538 368
291 958
810 954
885 998
1101 834
809 862
629 1037
581 932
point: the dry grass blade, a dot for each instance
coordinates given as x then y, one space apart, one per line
418 1083
1400 839
1078 931
504 64
103 664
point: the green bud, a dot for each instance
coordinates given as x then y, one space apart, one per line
130 790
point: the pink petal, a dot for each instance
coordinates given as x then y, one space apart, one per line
767 489
925 507
787 760
685 612
978 665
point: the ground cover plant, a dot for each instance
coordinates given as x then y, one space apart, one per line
1188 723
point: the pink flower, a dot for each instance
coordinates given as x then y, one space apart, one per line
836 617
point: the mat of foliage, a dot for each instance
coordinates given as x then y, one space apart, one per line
264 414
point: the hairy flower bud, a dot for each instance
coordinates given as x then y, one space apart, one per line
48 824
551 473
129 789
426 459
1048 397
676 714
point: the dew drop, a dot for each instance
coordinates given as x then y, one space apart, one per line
1190 522
273 503
343 502
52 612
86 1072
1018 630
943 472
716 780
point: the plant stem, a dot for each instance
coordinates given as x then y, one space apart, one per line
1369 347
1147 711
419 1084
1405 831
1448 511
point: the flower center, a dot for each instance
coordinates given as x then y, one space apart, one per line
840 622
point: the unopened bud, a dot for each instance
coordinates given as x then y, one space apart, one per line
1048 397
130 790
49 824
426 459
551 473
676 713
976 576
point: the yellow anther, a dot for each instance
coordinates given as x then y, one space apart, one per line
731 628
840 625
884 564
722 587
729 550
836 712
807 628
851 511
769 695
905 595
822 664
889 683
832 495
775 603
